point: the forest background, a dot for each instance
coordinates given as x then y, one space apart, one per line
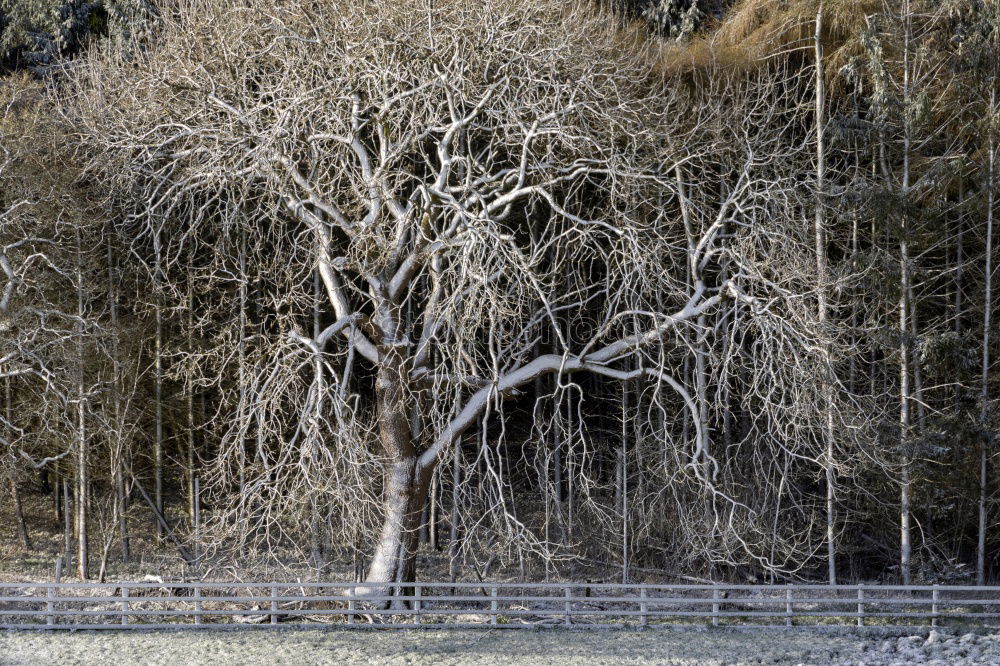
521 288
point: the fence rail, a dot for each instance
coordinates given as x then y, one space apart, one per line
175 605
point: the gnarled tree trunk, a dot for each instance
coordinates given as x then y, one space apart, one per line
405 482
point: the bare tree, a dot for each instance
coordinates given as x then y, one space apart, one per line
404 154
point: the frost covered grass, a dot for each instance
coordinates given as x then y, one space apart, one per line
511 648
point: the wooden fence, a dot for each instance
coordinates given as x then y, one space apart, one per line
198 605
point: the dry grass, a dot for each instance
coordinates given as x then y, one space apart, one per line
754 33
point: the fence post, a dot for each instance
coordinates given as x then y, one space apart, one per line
196 518
643 619
569 602
861 607
125 604
715 607
197 602
350 611
50 606
417 594
274 604
54 590
934 606
788 606
493 605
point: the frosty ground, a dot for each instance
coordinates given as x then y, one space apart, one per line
510 648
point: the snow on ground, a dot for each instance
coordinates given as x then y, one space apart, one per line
505 648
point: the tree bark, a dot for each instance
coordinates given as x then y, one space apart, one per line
22 526
405 486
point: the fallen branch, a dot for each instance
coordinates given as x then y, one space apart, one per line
163 523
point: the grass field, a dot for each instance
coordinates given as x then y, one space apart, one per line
511 648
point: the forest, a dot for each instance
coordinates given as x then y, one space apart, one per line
454 289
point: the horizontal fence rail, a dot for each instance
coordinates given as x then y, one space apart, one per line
175 605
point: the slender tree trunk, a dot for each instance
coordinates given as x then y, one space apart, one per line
67 522
158 391
918 382
433 517
620 465
82 477
821 295
905 397
123 536
197 525
560 434
118 446
904 412
623 482
557 479
852 374
724 323
242 373
22 526
984 389
456 512
701 394
15 491
569 474
56 502
689 282
959 261
189 397
315 536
